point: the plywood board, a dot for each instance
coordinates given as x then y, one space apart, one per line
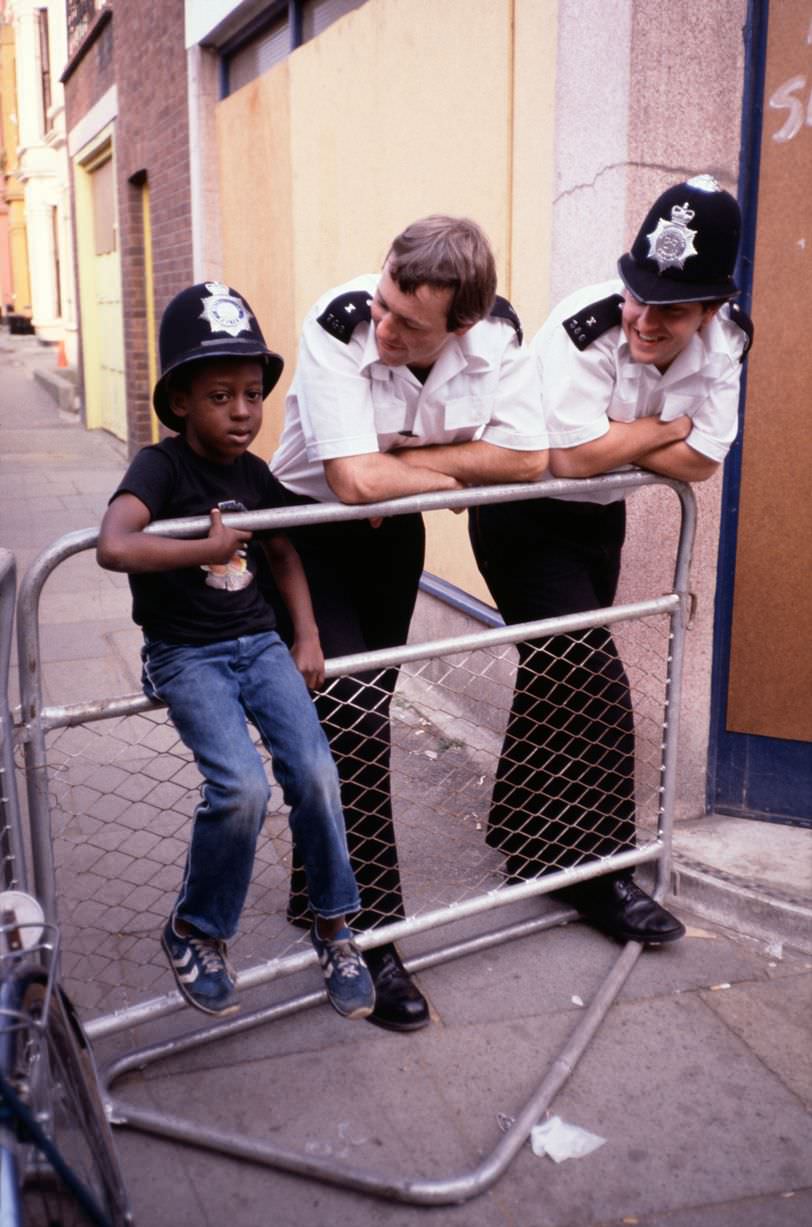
770 683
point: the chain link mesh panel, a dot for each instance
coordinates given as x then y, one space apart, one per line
581 763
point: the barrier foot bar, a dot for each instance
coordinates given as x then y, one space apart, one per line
415 1191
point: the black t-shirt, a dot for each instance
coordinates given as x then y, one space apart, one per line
198 604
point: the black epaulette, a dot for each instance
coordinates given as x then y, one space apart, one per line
341 316
746 324
504 311
593 321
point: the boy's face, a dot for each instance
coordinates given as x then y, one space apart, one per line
658 333
221 406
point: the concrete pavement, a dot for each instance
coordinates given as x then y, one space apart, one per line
700 1078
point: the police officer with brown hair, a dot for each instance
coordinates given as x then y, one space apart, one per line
645 371
409 380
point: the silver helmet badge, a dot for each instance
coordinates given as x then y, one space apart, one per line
225 312
671 243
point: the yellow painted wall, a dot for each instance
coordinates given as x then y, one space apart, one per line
149 300
397 110
18 253
100 300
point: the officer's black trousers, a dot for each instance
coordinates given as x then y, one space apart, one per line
564 789
363 583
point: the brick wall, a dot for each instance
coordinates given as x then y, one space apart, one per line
152 140
141 50
90 73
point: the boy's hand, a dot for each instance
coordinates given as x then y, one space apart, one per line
309 660
225 542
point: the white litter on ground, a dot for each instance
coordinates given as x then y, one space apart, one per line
554 1137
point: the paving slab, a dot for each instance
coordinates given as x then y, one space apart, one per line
773 1019
684 1094
789 1209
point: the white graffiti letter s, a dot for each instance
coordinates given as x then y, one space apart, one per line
784 97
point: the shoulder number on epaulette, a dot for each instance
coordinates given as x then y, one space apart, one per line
342 316
746 324
503 310
593 321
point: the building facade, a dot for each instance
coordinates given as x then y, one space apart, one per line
279 145
16 280
127 120
41 169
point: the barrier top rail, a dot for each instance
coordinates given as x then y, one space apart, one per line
333 513
32 709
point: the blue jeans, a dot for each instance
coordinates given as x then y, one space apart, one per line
210 690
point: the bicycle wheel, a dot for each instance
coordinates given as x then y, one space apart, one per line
56 1070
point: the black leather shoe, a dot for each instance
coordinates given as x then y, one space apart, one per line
399 1004
619 907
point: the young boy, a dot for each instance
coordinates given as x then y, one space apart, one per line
212 655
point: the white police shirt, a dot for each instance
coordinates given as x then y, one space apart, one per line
583 390
344 401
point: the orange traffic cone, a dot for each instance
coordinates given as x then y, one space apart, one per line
61 356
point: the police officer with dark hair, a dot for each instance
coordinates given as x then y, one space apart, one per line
643 371
409 380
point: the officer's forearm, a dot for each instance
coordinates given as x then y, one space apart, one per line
381 475
681 461
478 463
623 443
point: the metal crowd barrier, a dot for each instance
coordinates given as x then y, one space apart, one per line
111 792
12 852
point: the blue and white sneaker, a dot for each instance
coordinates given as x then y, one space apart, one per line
203 973
350 990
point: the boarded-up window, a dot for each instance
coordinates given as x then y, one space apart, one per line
260 54
80 15
301 21
44 68
317 15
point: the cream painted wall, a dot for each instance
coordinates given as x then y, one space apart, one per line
535 81
591 142
371 125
